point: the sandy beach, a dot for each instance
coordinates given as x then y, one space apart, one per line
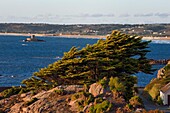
52 35
77 36
156 38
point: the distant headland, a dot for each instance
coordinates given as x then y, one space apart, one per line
145 30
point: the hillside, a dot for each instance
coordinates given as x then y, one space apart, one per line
160 30
153 88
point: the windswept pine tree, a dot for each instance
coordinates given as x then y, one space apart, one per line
119 55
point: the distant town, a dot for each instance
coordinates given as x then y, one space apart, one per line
147 30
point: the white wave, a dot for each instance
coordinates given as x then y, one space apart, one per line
161 41
24 44
12 76
57 57
42 57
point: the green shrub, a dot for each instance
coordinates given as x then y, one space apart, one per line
167 71
98 100
136 101
76 96
90 99
136 90
12 91
85 95
150 85
103 82
60 92
116 84
154 92
129 106
86 87
103 107
128 82
167 67
159 101
81 104
83 99
24 90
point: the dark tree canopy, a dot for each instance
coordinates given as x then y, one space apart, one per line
120 55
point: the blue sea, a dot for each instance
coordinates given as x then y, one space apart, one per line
19 60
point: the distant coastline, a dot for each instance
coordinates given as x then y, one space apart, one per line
77 36
52 35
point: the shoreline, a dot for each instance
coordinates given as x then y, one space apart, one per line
52 35
76 36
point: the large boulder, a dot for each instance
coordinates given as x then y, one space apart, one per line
97 89
160 73
168 62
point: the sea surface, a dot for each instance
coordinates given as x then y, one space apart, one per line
19 60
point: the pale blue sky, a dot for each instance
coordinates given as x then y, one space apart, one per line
85 11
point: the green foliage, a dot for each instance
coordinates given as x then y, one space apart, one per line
159 101
129 106
136 101
60 92
103 82
167 71
129 82
14 90
120 55
154 92
87 97
98 100
103 107
76 96
83 99
116 84
167 67
86 87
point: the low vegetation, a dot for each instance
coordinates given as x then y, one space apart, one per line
12 91
104 106
60 92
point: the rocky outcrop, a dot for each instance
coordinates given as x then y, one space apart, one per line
33 39
43 102
65 99
156 62
160 73
97 89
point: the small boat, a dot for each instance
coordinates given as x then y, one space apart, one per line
33 39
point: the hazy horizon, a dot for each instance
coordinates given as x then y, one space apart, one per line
85 11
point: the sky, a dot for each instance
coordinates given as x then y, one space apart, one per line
85 11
